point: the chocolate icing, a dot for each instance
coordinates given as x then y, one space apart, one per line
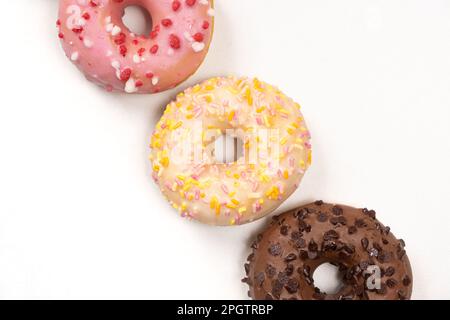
288 252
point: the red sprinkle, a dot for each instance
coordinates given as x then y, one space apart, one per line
205 25
123 50
139 83
120 39
174 41
154 49
190 3
198 37
125 74
176 5
141 52
166 22
77 30
86 16
149 75
61 35
155 32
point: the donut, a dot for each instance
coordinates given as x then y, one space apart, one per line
276 151
372 262
96 40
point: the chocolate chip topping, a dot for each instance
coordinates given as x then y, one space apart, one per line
286 255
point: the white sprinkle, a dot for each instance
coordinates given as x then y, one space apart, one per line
170 52
115 31
188 36
204 2
109 27
211 12
115 64
198 46
109 53
130 86
74 56
136 59
108 20
88 43
155 81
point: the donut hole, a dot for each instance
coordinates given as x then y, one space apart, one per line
228 149
138 20
328 278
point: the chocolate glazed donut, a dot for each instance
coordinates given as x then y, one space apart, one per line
373 263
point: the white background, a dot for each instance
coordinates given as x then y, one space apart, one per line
81 218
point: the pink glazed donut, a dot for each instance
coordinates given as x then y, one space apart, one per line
109 54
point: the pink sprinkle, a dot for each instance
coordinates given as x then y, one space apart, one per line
280 174
179 182
292 162
259 121
197 194
225 189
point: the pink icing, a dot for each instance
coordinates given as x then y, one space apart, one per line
101 46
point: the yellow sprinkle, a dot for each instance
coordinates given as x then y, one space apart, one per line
209 87
265 178
183 206
234 201
177 125
208 98
309 157
214 202
242 210
232 222
181 177
232 194
295 125
286 174
248 96
196 88
266 120
156 168
260 109
273 193
231 206
302 164
283 141
231 115
165 161
257 84
291 131
189 116
236 176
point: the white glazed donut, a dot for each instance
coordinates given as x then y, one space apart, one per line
276 151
